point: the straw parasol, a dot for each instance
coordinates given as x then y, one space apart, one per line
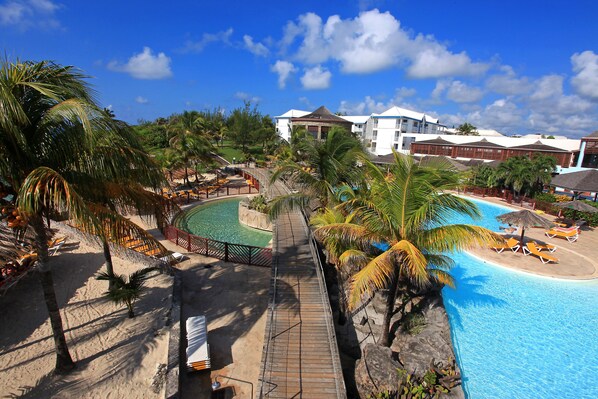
523 219
577 205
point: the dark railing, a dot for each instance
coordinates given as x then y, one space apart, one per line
228 252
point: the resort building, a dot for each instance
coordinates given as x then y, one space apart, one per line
395 129
358 123
317 123
283 122
588 152
495 148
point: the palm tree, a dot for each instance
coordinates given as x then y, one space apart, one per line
399 229
516 172
59 151
324 166
126 290
543 166
188 144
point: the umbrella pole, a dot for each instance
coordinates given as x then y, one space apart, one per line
522 233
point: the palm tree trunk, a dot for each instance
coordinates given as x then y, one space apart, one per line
64 362
130 308
109 265
386 339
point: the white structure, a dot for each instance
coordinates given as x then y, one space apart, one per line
283 122
481 132
358 123
394 129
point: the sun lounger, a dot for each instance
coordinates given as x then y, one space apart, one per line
548 247
569 235
198 350
511 244
530 248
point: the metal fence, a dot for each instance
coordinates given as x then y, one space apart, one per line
229 252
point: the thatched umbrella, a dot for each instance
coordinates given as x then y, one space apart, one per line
523 219
577 205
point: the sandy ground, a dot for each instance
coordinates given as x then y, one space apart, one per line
116 357
234 299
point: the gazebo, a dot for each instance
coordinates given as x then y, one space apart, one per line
578 182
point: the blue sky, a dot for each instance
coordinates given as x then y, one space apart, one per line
515 66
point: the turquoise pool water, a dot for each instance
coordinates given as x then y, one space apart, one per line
219 220
521 336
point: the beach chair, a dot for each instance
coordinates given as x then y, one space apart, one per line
55 245
511 244
198 350
570 235
548 247
530 248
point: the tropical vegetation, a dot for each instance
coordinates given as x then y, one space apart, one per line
126 289
519 174
397 235
63 155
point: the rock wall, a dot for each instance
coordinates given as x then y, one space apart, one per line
252 218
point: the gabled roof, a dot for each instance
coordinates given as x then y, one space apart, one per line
537 146
385 159
482 143
322 114
437 141
398 112
293 113
592 135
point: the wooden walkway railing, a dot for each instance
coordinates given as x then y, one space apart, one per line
229 252
300 357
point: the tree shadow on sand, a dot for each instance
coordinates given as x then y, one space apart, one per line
125 357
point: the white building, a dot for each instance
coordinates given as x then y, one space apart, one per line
283 122
394 129
358 123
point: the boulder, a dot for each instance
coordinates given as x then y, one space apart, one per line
376 371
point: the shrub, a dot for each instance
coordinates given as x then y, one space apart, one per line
414 323
562 198
545 197
259 203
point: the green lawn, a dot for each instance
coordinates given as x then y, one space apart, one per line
228 152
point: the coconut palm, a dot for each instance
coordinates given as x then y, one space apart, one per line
126 289
189 145
54 142
399 229
324 166
516 173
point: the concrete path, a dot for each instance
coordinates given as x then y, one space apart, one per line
300 358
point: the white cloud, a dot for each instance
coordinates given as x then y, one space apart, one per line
284 69
508 83
24 14
461 93
316 78
241 95
145 65
585 82
255 48
141 100
546 87
207 38
371 42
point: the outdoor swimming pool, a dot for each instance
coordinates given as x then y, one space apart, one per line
521 336
219 220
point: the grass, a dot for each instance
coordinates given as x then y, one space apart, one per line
228 152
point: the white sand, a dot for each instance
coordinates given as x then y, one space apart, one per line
116 356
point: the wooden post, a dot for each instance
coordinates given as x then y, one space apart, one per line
250 251
188 242
227 190
207 247
226 251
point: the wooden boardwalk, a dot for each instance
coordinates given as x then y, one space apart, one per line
300 357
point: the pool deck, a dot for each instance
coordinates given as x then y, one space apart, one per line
576 261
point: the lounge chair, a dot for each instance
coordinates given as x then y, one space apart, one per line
198 350
548 247
530 248
570 235
511 244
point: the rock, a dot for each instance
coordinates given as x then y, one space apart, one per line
416 352
376 371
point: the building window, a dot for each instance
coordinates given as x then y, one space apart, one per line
398 124
373 146
397 134
396 146
375 135
375 122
